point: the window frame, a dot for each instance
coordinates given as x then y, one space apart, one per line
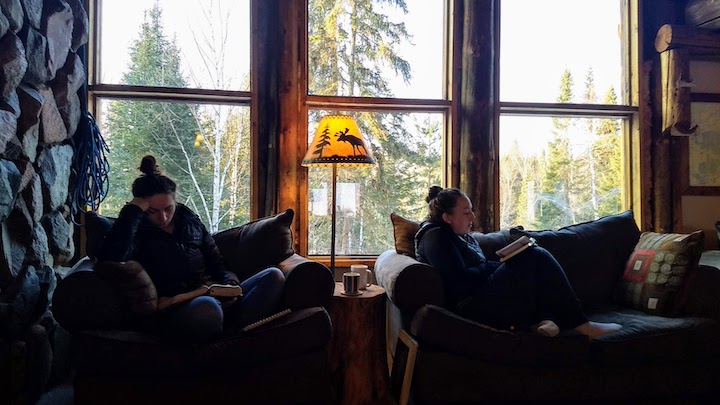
445 106
96 90
630 113
279 96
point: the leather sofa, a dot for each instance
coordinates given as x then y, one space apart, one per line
284 361
664 352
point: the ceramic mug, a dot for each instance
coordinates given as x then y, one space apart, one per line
351 283
364 273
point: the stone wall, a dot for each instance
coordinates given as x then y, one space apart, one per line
40 75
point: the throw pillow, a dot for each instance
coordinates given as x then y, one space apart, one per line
258 244
657 273
404 231
134 284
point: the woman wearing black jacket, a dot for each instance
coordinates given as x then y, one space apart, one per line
175 248
528 291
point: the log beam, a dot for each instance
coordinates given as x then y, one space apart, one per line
696 40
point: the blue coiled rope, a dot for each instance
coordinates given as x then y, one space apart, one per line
91 166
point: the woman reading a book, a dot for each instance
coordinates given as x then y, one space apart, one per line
530 290
180 256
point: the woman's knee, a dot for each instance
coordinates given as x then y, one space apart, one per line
273 275
539 251
199 320
206 311
547 261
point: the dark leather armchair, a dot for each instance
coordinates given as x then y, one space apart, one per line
281 362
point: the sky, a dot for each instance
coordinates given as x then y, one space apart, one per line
121 20
538 42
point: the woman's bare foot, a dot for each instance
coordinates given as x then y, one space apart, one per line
596 329
546 328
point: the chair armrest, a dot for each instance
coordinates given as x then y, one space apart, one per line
84 300
703 297
307 283
408 283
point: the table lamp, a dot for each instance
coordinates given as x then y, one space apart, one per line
337 142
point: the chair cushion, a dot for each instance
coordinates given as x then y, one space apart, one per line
438 329
133 283
258 244
656 274
593 254
648 339
123 353
96 226
404 231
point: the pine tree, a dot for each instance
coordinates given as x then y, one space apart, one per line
585 189
608 148
554 203
205 149
137 128
350 42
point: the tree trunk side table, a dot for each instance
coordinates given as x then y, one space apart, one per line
357 358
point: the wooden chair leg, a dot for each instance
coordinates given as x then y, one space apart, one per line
412 346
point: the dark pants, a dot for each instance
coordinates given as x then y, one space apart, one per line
526 289
203 318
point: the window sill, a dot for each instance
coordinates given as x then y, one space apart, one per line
345 262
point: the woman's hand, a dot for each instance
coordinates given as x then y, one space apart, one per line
229 302
143 203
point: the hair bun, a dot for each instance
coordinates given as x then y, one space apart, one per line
148 165
432 193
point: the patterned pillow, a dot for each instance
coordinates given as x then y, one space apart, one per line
404 231
657 273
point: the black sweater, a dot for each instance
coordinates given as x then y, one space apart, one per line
458 258
176 263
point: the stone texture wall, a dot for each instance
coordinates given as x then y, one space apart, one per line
40 75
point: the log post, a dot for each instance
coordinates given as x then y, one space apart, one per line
357 357
698 40
676 84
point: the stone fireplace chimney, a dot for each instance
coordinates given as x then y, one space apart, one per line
40 76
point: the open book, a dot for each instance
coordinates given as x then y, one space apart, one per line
515 247
220 291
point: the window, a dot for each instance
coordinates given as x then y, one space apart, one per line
565 110
171 79
383 63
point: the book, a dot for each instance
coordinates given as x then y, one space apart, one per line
266 320
515 247
220 291
224 290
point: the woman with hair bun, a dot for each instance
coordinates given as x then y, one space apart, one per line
529 291
175 248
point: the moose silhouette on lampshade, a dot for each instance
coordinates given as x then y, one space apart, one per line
338 141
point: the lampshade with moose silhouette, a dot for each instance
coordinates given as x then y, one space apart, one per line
338 141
